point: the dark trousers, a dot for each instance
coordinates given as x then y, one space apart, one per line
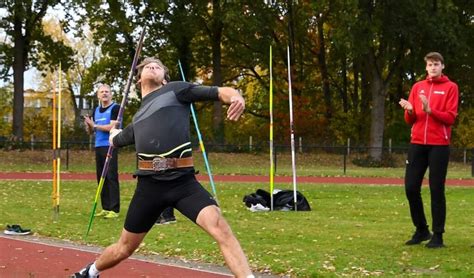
168 213
420 157
110 195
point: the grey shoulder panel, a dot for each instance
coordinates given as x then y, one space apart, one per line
159 102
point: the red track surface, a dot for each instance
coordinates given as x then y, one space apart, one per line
238 178
21 257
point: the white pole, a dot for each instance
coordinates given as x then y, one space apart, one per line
293 163
301 144
348 146
390 146
250 143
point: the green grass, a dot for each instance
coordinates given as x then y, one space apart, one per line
351 231
308 164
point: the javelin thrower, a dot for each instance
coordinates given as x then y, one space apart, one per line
160 131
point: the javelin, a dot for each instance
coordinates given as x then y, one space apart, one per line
272 163
201 144
292 129
119 123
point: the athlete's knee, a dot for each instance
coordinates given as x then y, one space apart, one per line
412 190
222 230
127 244
214 223
125 250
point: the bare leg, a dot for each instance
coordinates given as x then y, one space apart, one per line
211 220
117 252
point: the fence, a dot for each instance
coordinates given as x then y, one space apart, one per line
392 156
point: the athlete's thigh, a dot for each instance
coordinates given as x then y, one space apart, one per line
193 198
146 205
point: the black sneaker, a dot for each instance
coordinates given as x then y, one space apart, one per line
83 273
436 241
418 237
165 220
16 230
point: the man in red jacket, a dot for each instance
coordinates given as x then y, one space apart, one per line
431 110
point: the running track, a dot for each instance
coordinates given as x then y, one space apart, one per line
25 256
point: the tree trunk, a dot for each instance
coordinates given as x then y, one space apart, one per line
364 106
217 119
355 92
324 69
377 121
377 115
217 26
344 97
19 65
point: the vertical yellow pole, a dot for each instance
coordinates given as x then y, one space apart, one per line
54 146
58 172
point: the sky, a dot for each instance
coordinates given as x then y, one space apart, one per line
30 77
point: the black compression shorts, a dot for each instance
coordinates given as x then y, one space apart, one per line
152 196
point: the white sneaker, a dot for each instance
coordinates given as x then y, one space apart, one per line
258 207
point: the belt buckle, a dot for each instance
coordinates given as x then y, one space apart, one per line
160 164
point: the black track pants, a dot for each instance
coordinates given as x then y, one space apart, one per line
110 195
420 157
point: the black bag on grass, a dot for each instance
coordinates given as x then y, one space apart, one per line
282 200
254 199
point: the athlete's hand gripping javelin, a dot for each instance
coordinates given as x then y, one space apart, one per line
113 132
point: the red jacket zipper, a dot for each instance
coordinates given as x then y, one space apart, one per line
428 115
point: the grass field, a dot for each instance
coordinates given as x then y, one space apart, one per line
307 164
351 231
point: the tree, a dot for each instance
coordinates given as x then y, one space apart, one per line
5 110
23 28
210 16
387 38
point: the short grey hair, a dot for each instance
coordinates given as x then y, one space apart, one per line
104 85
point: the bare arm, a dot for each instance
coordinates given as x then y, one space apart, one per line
106 127
90 126
236 102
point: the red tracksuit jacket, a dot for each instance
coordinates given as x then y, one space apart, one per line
434 128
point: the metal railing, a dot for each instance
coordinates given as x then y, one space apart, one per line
347 153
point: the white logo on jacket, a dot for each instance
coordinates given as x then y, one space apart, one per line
438 92
422 92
